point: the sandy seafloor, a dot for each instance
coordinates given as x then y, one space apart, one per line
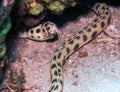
93 68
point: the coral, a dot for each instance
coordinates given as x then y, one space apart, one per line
5 25
35 7
56 6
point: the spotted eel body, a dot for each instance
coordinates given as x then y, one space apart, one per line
76 42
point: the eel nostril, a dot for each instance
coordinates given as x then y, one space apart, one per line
38 31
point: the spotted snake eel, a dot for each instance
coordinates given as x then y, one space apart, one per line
72 45
48 30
